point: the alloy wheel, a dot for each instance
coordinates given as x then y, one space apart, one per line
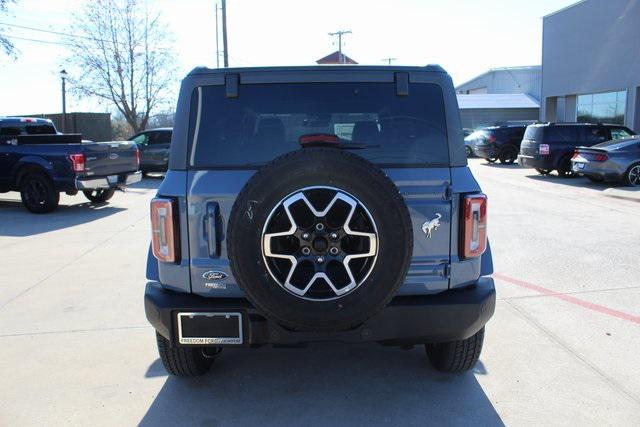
320 243
634 175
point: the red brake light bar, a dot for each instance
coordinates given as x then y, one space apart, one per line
318 138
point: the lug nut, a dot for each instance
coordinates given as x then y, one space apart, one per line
333 251
320 260
319 226
334 236
305 236
306 251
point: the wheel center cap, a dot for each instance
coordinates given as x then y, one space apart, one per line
320 244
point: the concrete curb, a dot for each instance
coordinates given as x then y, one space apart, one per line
630 193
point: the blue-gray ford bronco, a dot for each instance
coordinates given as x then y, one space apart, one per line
310 204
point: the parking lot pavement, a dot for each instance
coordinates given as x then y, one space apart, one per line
562 347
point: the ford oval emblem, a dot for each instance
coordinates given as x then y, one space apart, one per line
214 275
113 156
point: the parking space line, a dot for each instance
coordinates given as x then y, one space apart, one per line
570 299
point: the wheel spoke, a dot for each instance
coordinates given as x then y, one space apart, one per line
321 244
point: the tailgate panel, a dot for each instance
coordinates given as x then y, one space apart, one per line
107 158
425 191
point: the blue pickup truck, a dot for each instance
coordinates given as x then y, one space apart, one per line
41 163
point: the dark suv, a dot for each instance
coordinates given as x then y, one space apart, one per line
498 142
550 146
318 203
154 145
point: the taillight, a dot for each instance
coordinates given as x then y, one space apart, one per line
474 225
544 149
138 155
595 157
491 139
575 154
164 238
77 162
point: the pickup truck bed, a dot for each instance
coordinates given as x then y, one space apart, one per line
48 164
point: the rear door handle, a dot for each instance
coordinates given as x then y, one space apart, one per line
212 229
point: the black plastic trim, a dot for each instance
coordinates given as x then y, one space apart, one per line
447 316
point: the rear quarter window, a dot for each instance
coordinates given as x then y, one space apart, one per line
534 133
267 120
560 134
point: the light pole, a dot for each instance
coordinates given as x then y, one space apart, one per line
63 77
224 34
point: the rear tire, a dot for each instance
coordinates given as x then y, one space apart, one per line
100 195
468 150
543 171
38 194
508 155
564 167
632 176
183 361
456 356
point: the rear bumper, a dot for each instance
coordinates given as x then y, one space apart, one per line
450 315
122 180
486 151
537 161
608 170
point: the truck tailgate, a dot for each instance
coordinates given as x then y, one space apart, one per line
110 158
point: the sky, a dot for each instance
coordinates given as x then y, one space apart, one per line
466 37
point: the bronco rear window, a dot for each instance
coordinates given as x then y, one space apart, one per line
267 120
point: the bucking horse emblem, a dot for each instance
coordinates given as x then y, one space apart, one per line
428 227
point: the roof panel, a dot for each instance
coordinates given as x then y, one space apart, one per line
496 100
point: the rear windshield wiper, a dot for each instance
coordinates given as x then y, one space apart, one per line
329 140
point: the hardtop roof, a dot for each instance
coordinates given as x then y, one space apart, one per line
308 68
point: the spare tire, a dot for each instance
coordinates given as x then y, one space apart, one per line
319 239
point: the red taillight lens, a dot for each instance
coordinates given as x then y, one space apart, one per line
575 154
600 158
164 239
474 225
491 139
77 162
138 156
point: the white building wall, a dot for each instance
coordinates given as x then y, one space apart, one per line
591 47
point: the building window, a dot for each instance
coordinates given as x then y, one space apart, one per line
606 107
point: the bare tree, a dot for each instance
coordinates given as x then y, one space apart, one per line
122 56
5 44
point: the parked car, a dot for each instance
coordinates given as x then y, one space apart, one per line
296 201
497 143
154 145
468 142
40 163
550 146
615 160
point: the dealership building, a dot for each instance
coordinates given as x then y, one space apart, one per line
591 63
500 95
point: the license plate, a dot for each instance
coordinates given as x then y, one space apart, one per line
209 328
112 179
578 166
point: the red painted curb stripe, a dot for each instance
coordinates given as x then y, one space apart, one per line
568 298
